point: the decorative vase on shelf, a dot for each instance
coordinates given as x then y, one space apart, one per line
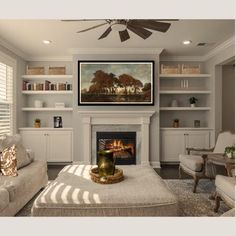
176 123
174 103
37 123
38 104
193 101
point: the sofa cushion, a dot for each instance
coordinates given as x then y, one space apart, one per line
226 185
22 157
4 198
8 164
193 162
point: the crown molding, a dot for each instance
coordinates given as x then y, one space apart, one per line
12 48
55 58
181 58
228 43
155 51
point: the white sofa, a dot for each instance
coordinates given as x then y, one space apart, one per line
15 192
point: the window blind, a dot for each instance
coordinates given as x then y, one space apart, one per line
6 99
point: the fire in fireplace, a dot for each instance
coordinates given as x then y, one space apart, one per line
122 143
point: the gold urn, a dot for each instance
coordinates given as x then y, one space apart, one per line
106 163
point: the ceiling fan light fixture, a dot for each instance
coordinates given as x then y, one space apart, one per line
46 41
116 26
187 42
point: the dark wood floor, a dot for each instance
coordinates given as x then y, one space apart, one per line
166 171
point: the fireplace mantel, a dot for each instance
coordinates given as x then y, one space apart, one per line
90 118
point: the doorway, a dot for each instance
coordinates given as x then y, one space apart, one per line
228 96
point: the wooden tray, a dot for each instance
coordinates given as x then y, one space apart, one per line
110 179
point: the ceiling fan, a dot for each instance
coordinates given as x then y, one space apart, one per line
141 27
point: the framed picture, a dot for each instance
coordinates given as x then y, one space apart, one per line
116 82
57 121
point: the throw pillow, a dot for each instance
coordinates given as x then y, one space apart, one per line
22 157
8 161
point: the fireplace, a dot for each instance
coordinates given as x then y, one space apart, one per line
123 144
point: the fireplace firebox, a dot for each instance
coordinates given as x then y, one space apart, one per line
122 143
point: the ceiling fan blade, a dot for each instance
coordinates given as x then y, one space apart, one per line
71 20
93 27
104 35
124 35
151 24
141 32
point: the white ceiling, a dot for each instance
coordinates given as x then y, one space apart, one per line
27 36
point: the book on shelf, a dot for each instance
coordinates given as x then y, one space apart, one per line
46 86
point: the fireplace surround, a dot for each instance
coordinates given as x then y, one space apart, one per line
138 121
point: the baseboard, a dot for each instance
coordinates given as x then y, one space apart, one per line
155 164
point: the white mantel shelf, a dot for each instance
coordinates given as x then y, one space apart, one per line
90 118
117 113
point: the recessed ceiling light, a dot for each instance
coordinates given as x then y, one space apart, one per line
187 42
47 41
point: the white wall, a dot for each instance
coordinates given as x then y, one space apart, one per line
228 98
77 124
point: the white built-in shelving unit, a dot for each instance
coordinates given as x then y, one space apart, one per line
181 87
42 79
47 109
46 92
49 98
54 145
46 77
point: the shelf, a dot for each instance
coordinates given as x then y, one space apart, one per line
47 92
173 76
47 109
35 77
185 108
185 91
45 128
185 128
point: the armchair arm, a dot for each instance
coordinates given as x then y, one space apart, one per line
201 151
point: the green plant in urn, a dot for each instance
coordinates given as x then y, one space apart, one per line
106 163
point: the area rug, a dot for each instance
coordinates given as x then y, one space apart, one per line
190 204
195 204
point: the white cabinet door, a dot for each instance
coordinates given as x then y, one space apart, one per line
172 144
36 141
198 139
59 146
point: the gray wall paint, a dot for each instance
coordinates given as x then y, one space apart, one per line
213 67
228 98
77 125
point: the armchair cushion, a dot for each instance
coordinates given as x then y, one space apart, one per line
193 162
226 185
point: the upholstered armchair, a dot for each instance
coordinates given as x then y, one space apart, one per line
195 162
225 188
